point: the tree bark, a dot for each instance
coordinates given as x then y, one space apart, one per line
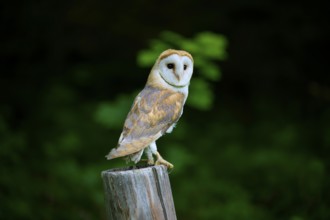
138 193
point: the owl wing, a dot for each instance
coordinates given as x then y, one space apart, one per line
152 113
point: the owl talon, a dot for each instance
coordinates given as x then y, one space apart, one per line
151 161
161 161
148 161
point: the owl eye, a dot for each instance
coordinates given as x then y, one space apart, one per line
170 65
185 67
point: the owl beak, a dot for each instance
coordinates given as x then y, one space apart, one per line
177 76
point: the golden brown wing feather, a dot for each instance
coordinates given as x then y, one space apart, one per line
153 112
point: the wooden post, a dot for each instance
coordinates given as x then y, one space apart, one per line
138 193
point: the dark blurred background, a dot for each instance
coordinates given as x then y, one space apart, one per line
256 145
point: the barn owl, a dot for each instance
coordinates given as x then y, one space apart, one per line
156 109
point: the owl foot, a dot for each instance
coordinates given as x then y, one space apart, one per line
150 161
161 161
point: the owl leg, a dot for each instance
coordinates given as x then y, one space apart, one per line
160 160
150 157
170 129
136 157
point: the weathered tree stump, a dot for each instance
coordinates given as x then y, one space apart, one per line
138 193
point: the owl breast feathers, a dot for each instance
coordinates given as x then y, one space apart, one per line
154 110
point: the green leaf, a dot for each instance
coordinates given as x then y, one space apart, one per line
146 58
179 155
172 37
212 45
113 114
210 71
190 46
159 46
200 94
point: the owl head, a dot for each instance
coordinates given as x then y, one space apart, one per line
173 68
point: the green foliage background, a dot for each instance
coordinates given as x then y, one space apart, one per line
253 142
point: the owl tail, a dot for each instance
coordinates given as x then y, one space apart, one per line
120 151
136 157
111 154
108 156
128 148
